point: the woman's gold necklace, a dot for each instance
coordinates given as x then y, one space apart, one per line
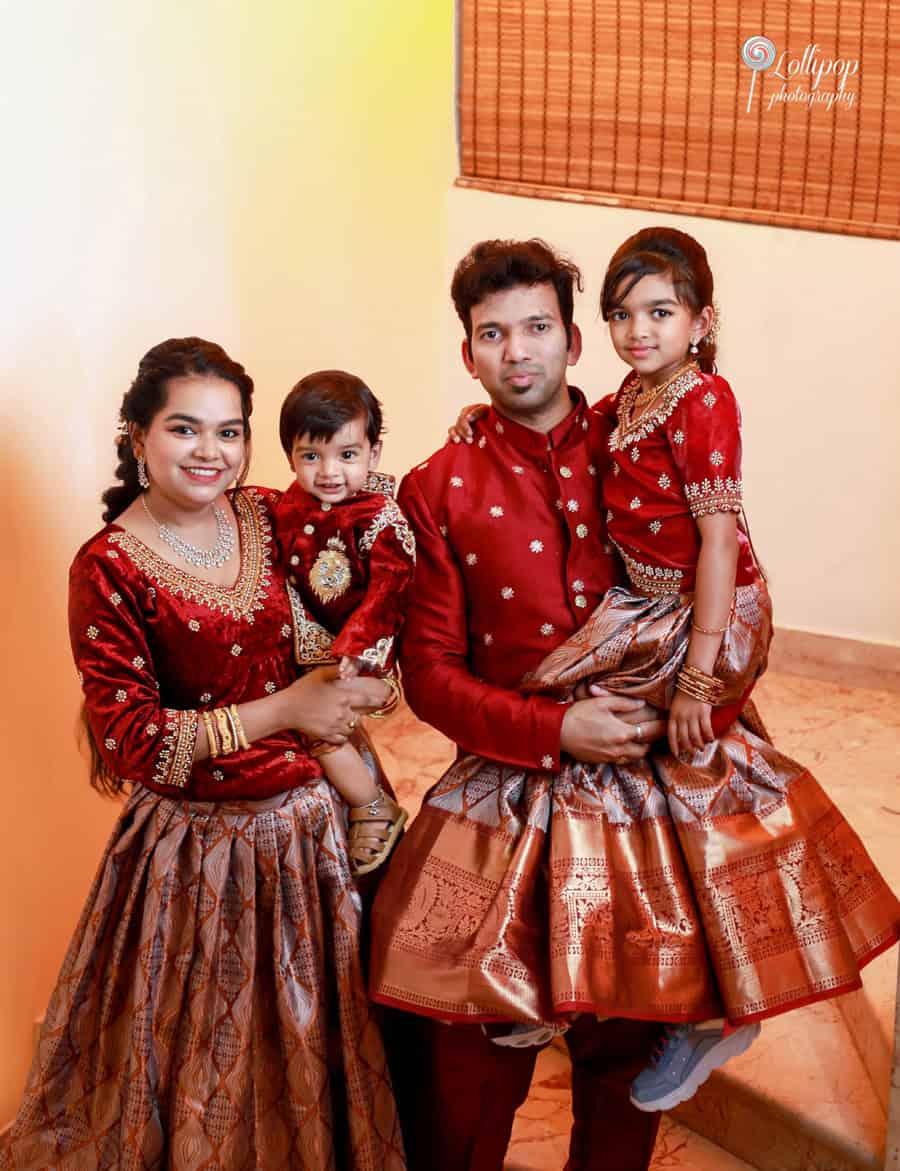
202 558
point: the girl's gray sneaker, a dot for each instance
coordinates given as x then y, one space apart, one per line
686 1056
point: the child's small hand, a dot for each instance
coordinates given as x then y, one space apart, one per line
690 724
348 668
461 431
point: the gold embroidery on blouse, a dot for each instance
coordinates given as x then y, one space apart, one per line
708 496
247 595
176 756
652 581
628 432
312 642
390 516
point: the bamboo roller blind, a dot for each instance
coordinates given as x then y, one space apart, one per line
643 103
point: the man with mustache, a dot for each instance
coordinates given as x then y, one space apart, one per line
512 557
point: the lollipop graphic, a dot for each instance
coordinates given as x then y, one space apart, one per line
757 54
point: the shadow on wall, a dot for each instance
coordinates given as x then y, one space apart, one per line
54 825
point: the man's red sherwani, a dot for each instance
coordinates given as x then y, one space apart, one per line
512 556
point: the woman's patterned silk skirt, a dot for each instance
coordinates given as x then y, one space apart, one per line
727 885
211 1010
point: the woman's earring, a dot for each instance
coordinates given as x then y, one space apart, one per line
695 349
143 479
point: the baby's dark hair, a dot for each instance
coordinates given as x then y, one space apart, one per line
496 265
663 251
324 402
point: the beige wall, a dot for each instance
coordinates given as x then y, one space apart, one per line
809 341
271 176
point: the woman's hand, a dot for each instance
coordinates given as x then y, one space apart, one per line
324 707
461 431
690 724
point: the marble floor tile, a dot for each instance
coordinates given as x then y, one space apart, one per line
799 1098
540 1138
413 754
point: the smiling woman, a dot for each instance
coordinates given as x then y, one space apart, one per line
187 454
221 932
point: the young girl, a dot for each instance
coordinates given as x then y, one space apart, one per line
711 885
350 555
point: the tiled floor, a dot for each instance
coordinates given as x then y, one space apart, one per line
540 1139
849 739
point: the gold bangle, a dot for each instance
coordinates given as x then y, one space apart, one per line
238 727
695 692
211 740
396 696
225 737
696 683
233 728
709 630
701 678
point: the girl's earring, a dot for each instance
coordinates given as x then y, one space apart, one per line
143 479
695 349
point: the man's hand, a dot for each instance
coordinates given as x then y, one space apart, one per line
609 728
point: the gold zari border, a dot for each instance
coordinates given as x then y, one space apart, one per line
248 593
